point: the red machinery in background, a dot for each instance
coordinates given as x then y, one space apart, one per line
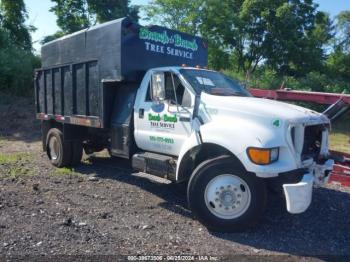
340 104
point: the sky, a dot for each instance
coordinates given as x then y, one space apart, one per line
45 21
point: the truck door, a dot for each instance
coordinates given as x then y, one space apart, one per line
163 127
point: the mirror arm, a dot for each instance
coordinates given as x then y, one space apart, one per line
196 109
151 88
172 80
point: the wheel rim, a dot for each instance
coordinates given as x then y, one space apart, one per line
227 196
54 148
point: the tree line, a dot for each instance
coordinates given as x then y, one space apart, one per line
269 43
17 60
265 43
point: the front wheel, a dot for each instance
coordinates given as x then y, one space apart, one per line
224 196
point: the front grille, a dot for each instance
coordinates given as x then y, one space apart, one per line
312 141
292 133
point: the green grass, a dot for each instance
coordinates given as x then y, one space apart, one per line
340 142
18 172
65 171
6 159
339 139
13 165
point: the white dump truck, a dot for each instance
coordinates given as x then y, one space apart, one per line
144 94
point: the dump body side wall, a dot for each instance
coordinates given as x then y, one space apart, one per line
100 43
70 90
76 81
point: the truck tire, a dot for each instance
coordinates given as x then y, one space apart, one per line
224 196
58 150
77 152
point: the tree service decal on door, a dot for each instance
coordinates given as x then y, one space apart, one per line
164 121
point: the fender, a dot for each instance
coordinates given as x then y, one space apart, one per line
189 144
237 136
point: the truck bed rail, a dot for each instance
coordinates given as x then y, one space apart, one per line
305 96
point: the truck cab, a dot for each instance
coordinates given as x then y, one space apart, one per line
202 117
188 124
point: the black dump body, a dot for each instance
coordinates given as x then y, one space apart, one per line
81 73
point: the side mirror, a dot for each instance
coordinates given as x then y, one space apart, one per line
158 87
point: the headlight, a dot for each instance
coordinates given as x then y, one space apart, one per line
263 156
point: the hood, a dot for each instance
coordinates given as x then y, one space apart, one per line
262 108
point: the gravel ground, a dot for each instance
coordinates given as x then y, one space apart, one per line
101 208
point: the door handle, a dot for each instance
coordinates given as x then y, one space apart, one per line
185 119
141 113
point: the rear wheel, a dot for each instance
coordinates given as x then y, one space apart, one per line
224 196
58 150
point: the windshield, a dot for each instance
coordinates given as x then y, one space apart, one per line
213 83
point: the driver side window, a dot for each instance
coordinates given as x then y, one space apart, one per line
172 82
181 95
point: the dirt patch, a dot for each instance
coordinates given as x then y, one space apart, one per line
102 207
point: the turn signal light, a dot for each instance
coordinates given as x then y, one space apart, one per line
263 156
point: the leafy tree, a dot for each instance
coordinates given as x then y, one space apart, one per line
72 15
17 61
176 14
75 15
343 28
297 39
50 38
339 64
111 9
16 67
218 59
13 15
286 35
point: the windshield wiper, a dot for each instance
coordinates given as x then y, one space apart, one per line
223 92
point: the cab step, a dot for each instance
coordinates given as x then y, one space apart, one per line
155 164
